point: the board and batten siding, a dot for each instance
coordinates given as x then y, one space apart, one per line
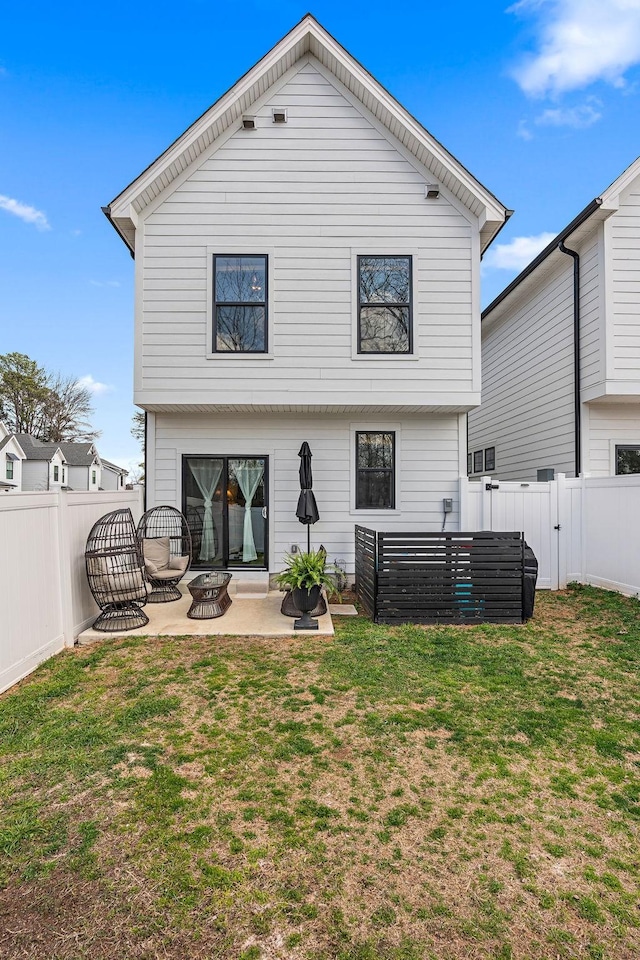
624 250
527 382
427 469
312 194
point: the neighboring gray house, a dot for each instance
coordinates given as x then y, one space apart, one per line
113 477
11 457
307 258
537 416
44 466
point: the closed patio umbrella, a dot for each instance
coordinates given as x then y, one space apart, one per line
307 509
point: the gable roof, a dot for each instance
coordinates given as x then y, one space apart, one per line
113 466
307 37
35 449
598 209
7 440
79 454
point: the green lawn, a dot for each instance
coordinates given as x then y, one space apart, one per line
395 793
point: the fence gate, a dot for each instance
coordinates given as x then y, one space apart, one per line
530 507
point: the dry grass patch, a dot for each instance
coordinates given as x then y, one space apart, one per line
397 793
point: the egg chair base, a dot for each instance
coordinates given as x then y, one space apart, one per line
123 615
164 591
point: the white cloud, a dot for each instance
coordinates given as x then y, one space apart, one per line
94 386
516 254
104 283
578 117
578 43
523 131
25 212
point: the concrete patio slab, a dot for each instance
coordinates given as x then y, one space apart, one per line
342 610
244 618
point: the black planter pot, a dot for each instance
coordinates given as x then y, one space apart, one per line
306 601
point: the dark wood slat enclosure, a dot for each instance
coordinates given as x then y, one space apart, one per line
440 577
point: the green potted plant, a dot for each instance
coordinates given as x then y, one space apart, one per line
306 574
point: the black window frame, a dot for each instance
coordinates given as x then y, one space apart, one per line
488 467
203 567
478 454
392 469
237 303
386 353
9 470
634 447
469 463
56 473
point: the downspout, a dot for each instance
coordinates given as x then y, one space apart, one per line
576 354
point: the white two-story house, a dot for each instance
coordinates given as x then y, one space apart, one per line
307 267
561 352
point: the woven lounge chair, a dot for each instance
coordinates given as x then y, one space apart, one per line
115 571
165 541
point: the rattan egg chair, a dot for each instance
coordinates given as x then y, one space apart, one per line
165 541
115 571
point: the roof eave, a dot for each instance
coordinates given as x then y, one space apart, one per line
307 34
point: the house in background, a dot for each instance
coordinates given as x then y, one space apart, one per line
84 466
11 457
561 352
44 466
307 258
113 477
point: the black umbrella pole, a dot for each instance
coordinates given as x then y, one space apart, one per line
308 538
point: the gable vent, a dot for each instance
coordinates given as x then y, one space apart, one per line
279 115
249 123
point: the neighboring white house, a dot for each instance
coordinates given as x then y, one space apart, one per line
307 267
11 457
84 466
44 466
533 420
113 477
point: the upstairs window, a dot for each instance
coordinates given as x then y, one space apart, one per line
477 461
56 474
9 469
240 304
384 304
627 458
94 477
375 471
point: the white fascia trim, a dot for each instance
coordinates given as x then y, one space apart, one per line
306 30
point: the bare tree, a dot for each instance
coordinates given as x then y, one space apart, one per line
68 409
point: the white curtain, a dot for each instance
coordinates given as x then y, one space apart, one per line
206 473
249 474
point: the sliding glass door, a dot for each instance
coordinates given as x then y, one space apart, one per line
225 502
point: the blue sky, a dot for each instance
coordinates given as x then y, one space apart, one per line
540 100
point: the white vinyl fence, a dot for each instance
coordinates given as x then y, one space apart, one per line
585 529
44 597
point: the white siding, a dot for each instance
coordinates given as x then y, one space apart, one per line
427 470
527 382
592 342
35 475
311 193
624 238
611 423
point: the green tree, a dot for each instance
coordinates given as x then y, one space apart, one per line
24 391
47 405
